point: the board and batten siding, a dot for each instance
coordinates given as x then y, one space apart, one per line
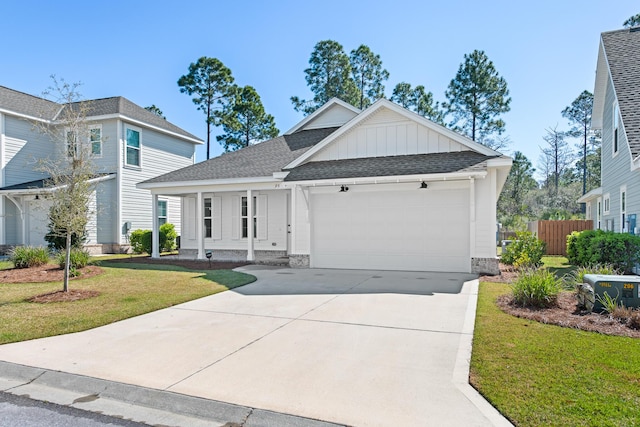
616 169
387 133
23 146
485 217
275 237
159 154
12 223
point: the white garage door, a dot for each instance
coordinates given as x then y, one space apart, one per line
418 230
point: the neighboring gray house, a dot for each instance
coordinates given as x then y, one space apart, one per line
129 144
616 112
382 188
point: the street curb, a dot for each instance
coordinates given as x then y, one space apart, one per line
20 377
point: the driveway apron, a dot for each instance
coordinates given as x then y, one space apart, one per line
365 348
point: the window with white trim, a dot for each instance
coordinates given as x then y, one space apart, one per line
95 139
244 215
616 127
623 209
132 141
211 213
607 204
162 212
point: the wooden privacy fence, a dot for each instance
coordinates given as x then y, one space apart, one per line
554 233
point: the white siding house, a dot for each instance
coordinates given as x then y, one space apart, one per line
118 206
382 188
616 112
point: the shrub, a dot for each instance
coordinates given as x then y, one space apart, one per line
620 250
29 256
140 240
78 258
526 251
168 237
536 288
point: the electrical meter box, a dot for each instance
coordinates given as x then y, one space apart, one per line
624 289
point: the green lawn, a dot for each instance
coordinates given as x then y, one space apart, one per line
543 375
126 290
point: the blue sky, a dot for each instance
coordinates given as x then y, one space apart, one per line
546 50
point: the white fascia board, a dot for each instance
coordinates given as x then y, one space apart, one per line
23 116
502 161
319 111
600 87
280 175
593 194
143 124
474 146
434 177
34 191
209 182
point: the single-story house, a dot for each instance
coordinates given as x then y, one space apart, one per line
382 188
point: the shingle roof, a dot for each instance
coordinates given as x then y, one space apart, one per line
622 49
416 164
40 183
26 104
259 160
34 106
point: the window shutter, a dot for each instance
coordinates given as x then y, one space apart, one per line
262 217
235 217
216 217
190 218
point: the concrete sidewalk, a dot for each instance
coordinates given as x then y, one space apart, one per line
362 348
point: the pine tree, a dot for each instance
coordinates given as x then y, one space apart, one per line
368 75
244 121
579 116
476 98
328 76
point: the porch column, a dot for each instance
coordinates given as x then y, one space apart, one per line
250 219
199 225
155 230
3 228
292 219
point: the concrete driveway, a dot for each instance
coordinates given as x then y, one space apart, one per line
365 348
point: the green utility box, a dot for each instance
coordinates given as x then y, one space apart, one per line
623 288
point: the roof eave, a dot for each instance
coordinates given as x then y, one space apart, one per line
427 177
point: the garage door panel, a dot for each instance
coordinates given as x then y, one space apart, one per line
397 230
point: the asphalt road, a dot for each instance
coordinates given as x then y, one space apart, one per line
17 411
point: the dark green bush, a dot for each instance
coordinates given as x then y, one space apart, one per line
536 288
140 240
620 250
526 251
78 258
29 256
56 238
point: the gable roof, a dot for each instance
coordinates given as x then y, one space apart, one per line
259 160
332 103
415 164
30 106
619 58
385 103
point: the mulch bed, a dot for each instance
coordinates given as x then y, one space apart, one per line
566 314
44 273
61 296
186 263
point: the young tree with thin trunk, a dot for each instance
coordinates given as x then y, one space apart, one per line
368 75
210 83
477 96
71 168
328 76
244 121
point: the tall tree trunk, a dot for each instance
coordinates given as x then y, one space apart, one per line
208 128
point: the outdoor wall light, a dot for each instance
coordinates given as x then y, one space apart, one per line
423 185
343 189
